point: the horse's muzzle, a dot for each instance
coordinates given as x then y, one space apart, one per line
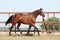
43 15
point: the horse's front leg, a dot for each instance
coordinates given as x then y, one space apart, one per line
36 29
28 29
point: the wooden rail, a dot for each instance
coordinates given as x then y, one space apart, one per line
48 13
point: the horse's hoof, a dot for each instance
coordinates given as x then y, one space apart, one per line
27 34
38 35
9 35
21 32
34 32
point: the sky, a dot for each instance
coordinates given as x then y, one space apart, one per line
28 6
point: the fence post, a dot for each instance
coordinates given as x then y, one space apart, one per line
53 23
47 23
43 24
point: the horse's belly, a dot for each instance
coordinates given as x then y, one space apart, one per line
26 21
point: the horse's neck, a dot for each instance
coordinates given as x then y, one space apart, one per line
35 14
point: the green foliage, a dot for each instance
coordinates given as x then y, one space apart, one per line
53 19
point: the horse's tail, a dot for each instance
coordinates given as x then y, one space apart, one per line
9 20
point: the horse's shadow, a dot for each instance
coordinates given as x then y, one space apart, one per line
22 35
28 34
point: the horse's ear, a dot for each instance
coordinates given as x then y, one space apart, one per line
41 8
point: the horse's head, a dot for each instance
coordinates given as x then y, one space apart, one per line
40 12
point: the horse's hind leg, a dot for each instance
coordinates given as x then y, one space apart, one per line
28 29
10 30
15 29
18 27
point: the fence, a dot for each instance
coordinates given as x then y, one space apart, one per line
47 13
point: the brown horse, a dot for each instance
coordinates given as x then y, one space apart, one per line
28 18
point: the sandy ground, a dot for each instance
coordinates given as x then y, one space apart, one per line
31 36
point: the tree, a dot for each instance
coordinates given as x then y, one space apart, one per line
53 19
